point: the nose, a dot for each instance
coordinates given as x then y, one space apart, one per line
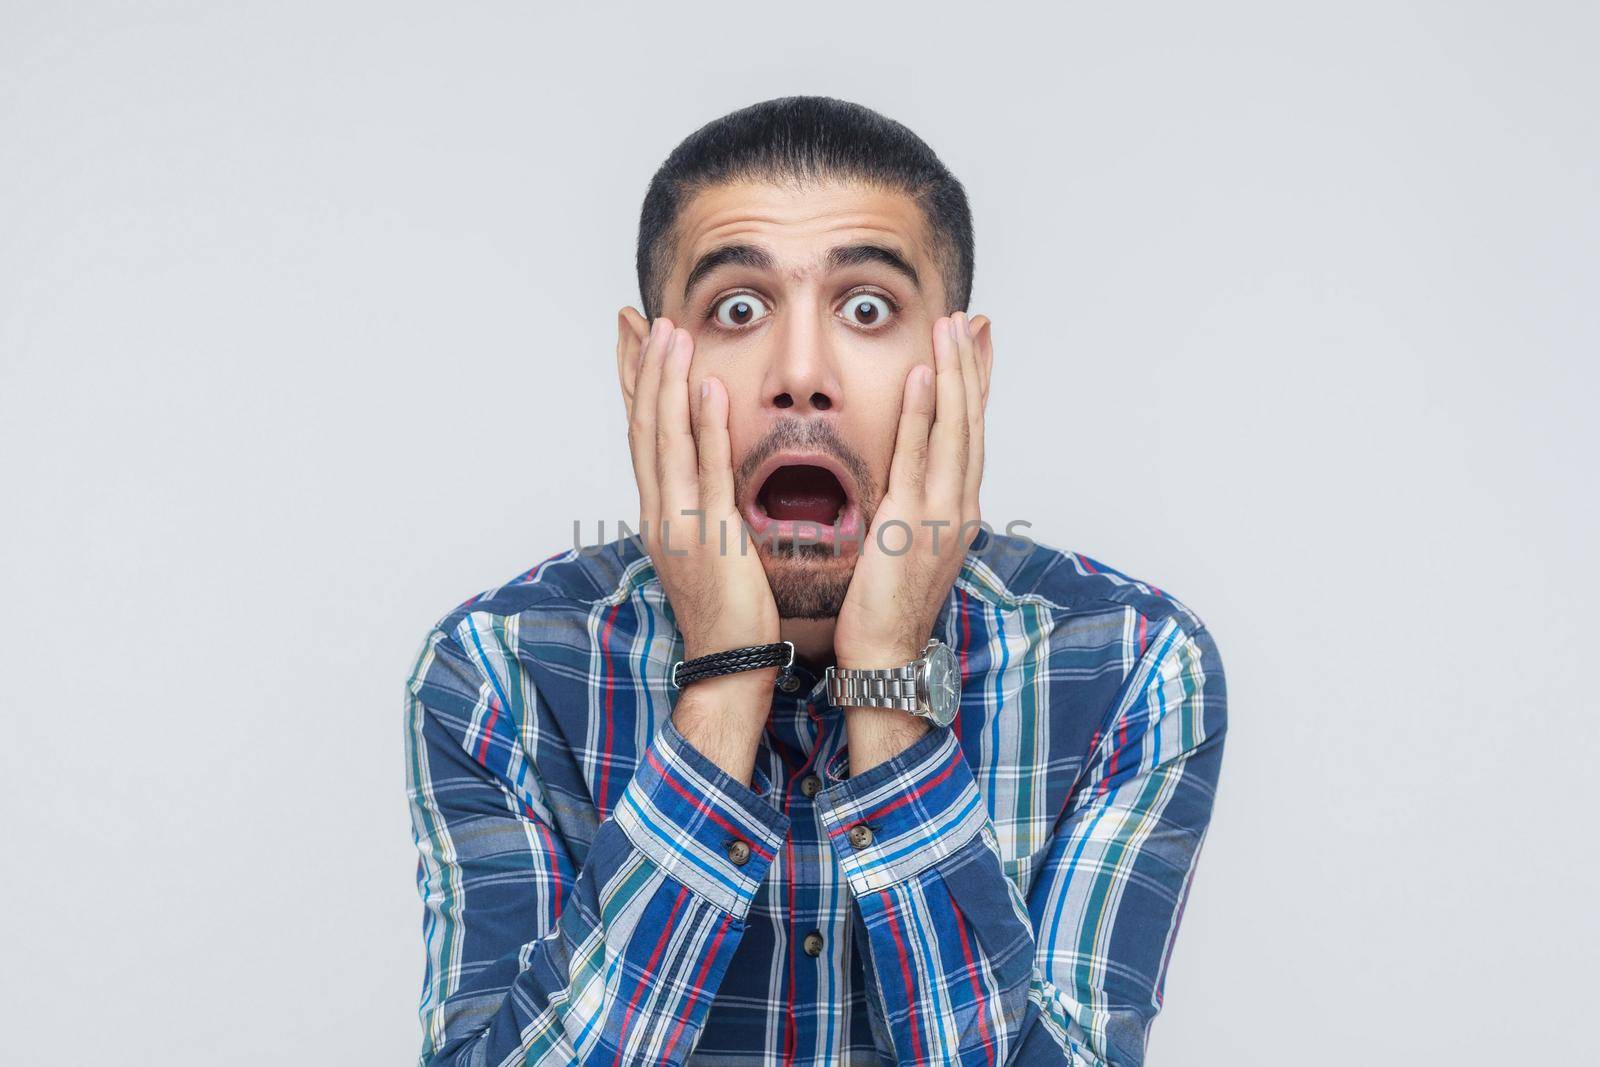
801 375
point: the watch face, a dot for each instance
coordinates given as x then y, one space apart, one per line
942 684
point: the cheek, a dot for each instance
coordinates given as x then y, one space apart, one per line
738 376
707 365
876 402
870 432
746 424
870 418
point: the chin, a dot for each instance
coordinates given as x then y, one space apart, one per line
808 581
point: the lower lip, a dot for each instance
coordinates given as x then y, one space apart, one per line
847 528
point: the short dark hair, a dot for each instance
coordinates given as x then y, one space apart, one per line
793 139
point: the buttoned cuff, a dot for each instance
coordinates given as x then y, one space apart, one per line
699 824
917 807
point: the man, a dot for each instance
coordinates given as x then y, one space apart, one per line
639 847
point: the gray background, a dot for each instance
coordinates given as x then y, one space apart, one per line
307 315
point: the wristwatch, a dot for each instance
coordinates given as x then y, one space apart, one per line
929 686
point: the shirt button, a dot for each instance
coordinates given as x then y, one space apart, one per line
811 785
813 943
738 852
789 683
860 835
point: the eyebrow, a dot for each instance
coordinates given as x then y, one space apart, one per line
757 258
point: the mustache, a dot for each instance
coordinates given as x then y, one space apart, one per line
811 435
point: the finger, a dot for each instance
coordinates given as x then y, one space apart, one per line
642 428
967 356
973 474
908 468
947 445
715 453
675 460
983 346
631 360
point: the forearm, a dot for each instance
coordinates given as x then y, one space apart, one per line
878 734
723 718
952 965
534 957
949 950
963 964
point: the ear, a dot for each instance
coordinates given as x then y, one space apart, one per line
983 344
632 329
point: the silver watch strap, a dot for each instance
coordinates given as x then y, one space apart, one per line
888 687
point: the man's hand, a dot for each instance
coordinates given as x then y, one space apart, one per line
692 530
921 531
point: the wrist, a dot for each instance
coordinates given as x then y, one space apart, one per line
738 702
879 734
724 717
873 658
695 647
776 656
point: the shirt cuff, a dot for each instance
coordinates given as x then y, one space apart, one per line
699 824
918 807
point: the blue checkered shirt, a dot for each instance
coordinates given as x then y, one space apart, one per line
595 890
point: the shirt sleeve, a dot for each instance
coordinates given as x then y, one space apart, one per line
531 956
965 968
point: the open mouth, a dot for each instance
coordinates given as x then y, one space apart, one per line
803 493
803 498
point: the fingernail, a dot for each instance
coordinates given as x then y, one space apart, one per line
925 375
705 387
954 334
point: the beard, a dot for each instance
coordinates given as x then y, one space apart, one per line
808 581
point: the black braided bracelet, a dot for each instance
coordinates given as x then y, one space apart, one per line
734 660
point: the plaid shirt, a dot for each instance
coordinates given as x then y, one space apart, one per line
585 901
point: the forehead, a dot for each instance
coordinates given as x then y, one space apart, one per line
799 225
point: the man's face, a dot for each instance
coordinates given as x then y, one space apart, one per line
813 334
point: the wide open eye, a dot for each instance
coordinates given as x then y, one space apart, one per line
867 309
740 309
